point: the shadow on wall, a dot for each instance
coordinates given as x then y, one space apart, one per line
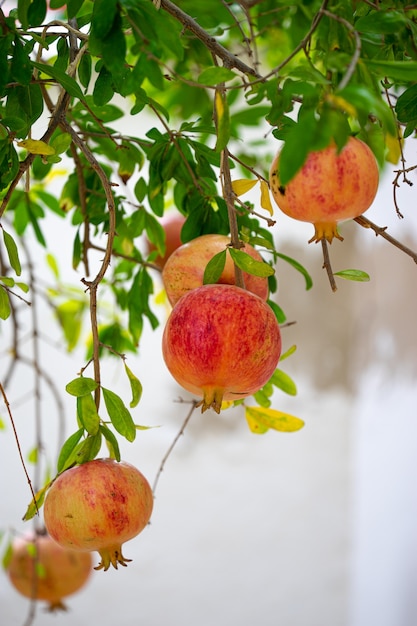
340 335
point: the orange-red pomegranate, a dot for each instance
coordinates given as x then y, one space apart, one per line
221 342
172 224
40 569
184 270
98 506
331 187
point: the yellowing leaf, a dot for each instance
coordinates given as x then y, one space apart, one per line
36 146
393 145
262 419
222 118
265 198
243 185
342 104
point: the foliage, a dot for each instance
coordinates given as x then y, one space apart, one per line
202 93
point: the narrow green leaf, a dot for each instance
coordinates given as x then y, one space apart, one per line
282 381
214 268
68 448
357 275
212 76
33 455
136 387
406 105
248 264
288 353
36 503
85 450
7 556
68 83
397 70
87 414
4 304
81 386
12 252
111 441
119 415
297 266
279 313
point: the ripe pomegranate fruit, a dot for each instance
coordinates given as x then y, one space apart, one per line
98 506
184 270
331 187
40 569
221 342
172 224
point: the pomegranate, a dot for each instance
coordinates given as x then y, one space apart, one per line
40 569
331 187
172 224
98 506
184 270
221 342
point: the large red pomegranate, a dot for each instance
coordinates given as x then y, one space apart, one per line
184 270
98 506
331 187
221 342
40 569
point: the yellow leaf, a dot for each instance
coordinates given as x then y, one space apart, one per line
226 404
36 146
261 419
340 103
265 198
243 185
393 145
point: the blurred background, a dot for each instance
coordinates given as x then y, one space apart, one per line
304 529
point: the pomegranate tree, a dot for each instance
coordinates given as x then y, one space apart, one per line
221 342
184 270
332 186
98 506
40 569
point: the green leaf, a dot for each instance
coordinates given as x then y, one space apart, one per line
214 268
387 22
84 451
249 265
104 12
357 275
396 70
68 448
282 381
297 266
68 83
279 313
136 387
212 76
288 353
4 304
12 252
33 455
111 441
87 413
81 386
36 503
119 415
406 105
260 420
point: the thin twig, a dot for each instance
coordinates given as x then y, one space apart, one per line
382 231
19 449
327 265
229 198
357 52
229 59
173 444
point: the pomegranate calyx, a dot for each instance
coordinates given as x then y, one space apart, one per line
212 399
56 605
112 556
325 230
